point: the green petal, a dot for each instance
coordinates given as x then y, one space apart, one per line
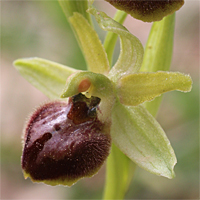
137 88
69 7
139 136
49 77
111 38
131 54
91 46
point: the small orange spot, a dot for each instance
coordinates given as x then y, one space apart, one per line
84 85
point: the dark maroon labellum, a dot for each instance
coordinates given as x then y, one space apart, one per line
65 141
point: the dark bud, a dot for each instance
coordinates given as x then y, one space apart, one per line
65 141
149 10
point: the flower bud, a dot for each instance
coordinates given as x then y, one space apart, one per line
65 141
149 10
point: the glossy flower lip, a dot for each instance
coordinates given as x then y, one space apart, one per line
148 10
64 142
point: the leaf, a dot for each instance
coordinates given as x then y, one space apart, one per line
49 77
139 136
91 46
137 88
130 58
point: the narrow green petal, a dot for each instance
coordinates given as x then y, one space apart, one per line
131 54
49 77
91 46
69 7
137 88
111 37
139 136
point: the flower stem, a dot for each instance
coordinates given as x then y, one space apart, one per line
120 171
69 7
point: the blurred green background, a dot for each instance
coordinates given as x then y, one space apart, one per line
39 28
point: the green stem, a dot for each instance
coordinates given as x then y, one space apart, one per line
69 7
120 170
111 38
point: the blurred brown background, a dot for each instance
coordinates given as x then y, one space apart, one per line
39 28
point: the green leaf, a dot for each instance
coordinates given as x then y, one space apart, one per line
49 77
70 6
130 58
137 88
139 136
91 46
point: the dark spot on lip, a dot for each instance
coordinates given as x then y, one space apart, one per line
30 154
57 127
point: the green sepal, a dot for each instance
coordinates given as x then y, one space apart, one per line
48 77
90 44
139 136
130 58
135 89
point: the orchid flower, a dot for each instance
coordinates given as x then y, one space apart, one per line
104 105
